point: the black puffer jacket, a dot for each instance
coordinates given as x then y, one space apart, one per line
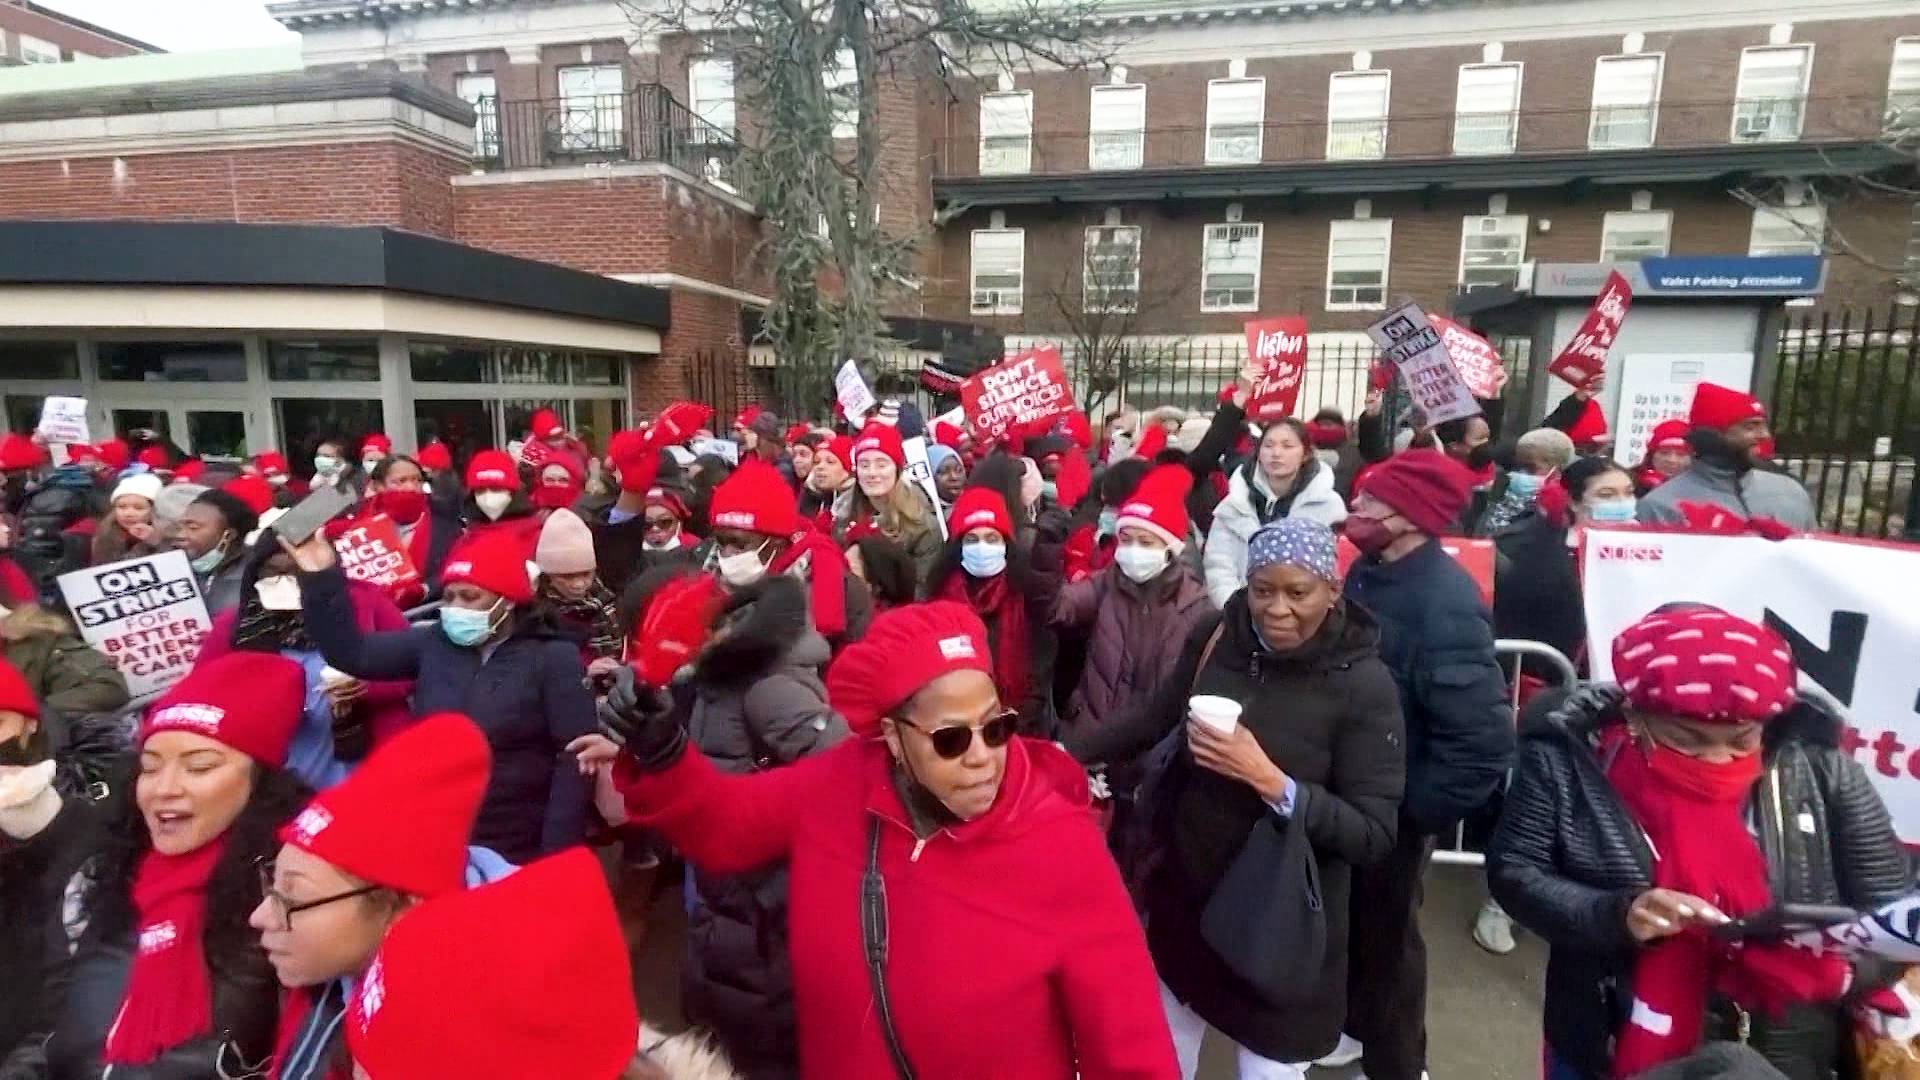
1567 861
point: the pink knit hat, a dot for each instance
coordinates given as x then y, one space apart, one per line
566 545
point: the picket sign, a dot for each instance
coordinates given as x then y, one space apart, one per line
145 614
1027 387
1410 342
1277 348
64 420
1475 357
920 471
1473 555
371 551
850 387
1585 357
1849 610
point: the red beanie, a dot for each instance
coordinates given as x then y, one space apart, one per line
189 471
979 507
1152 441
1718 408
492 470
745 417
794 434
1426 486
251 701
401 820
840 448
21 452
754 499
670 501
15 694
1702 663
115 452
435 457
545 424
523 979
271 461
376 443
904 649
880 438
1668 435
948 435
1590 426
679 422
154 457
1159 505
1327 434
252 490
495 560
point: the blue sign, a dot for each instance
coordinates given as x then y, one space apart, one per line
1763 275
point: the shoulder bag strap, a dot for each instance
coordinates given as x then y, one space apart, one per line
873 934
1206 654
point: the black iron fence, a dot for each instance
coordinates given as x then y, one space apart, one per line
641 124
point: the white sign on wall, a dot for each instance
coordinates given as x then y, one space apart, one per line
1656 387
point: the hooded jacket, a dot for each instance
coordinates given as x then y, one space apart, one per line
1716 479
68 676
1011 950
1134 633
1251 503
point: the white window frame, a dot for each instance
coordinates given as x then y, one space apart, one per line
1369 229
1000 304
486 110
1595 139
1215 156
1514 225
1122 299
718 112
1613 219
1512 142
1750 112
1114 136
590 121
35 50
843 81
1903 87
1224 231
1788 230
1005 159
1339 128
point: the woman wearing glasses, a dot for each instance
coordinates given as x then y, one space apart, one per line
168 983
953 911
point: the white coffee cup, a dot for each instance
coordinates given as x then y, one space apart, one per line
1219 713
331 676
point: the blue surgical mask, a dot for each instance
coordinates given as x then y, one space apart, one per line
1109 522
1050 490
466 627
206 564
983 560
1525 484
1613 511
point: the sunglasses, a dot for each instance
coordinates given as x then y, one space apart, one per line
953 740
661 523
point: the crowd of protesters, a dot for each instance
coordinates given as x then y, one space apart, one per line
1031 758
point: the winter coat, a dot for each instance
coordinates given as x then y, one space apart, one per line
1018 915
1568 860
1435 637
527 693
1328 715
1135 634
111 543
1746 492
69 677
1251 503
619 549
1043 586
1536 589
42 544
922 541
221 589
34 946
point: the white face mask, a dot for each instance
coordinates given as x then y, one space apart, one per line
367 463
1140 563
742 569
493 503
279 593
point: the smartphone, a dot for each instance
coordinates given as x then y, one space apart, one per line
305 519
1781 920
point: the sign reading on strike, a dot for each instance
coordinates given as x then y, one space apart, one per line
1028 387
1277 351
145 614
371 551
1410 343
1475 357
1585 357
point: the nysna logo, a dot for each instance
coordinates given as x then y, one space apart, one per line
977 518
489 476
456 569
1618 552
311 823
204 718
159 936
734 519
958 648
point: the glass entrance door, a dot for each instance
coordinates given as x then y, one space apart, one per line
215 429
215 433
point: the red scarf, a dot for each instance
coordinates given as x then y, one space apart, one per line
1005 613
169 996
1691 811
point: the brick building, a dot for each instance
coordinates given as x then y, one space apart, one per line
32 33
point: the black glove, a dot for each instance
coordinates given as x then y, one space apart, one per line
640 719
1054 526
1585 704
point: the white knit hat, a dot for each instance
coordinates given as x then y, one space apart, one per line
146 485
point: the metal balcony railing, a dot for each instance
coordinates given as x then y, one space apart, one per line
641 124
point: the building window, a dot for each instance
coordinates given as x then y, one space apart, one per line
1486 112
33 50
1771 101
1788 230
350 360
1118 128
1491 250
1111 279
1006 132
172 361
39 360
1903 85
1357 115
1626 95
1632 235
590 109
478 90
1236 109
1230 267
1357 255
473 396
999 266
710 97
843 86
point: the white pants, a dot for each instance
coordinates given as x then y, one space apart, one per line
1188 1030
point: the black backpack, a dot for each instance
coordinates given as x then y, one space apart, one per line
41 546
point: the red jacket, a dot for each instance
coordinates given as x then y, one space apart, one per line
1013 951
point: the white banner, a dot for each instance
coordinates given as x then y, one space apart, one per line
64 420
145 614
856 399
1850 610
920 471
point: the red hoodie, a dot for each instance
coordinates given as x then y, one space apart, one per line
1012 953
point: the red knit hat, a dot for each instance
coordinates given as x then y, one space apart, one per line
189 471
115 452
1152 441
492 470
154 458
1668 435
904 649
1075 428
496 561
1702 663
1326 434
1590 426
376 443
254 491
979 507
270 462
251 701
1718 407
523 979
754 499
435 457
949 435
15 694
1159 505
402 818
1425 486
841 449
794 433
745 417
881 438
545 424
671 501
21 452
678 422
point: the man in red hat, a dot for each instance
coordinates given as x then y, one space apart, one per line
1731 467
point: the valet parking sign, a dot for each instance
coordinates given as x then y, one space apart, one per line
1028 387
145 614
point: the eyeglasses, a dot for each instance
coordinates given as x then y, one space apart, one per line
953 740
661 523
288 907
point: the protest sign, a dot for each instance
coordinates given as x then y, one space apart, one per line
1277 352
371 551
1655 387
1848 609
920 471
1473 356
1473 556
1410 342
535 452
64 420
1029 386
1585 357
850 387
145 614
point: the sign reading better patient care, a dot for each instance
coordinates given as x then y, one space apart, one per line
145 614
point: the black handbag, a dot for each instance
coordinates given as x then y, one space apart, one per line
1267 919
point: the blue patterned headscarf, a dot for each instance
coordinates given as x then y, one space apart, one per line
1293 542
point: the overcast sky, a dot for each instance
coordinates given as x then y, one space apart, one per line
181 25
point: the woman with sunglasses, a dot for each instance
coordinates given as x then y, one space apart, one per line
954 912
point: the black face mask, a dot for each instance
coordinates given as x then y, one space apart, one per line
1480 456
17 753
